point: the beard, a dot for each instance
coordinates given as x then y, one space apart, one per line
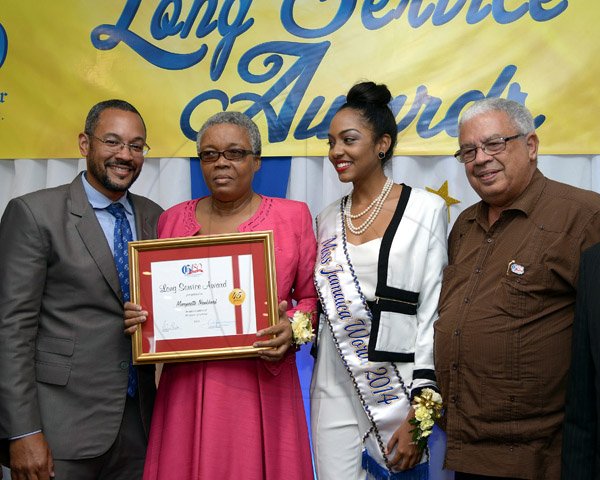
101 174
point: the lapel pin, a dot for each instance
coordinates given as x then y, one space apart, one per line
516 268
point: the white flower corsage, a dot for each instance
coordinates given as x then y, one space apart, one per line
302 329
428 409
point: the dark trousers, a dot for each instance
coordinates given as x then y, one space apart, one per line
124 460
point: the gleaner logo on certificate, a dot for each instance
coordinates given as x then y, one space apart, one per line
206 296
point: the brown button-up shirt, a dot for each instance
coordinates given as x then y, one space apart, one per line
503 338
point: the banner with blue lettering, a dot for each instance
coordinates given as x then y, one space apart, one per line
287 64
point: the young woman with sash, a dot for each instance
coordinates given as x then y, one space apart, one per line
381 252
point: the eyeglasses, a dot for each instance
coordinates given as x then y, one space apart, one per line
491 147
235 154
136 149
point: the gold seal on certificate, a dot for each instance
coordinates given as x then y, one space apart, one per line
237 296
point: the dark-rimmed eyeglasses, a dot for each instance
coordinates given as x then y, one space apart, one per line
491 147
235 154
113 145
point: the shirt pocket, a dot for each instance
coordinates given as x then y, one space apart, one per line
53 358
522 295
508 410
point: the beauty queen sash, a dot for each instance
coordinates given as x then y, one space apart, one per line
379 385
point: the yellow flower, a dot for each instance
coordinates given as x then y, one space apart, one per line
422 413
427 424
428 408
302 327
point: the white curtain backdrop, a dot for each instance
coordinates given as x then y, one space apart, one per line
164 180
312 180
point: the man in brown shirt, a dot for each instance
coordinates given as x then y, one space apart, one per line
502 341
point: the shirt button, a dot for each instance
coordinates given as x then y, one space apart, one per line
454 366
456 333
124 365
512 398
466 300
453 398
489 240
478 270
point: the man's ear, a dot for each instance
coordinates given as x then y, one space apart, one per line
533 143
84 144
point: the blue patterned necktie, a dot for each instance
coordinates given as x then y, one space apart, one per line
122 235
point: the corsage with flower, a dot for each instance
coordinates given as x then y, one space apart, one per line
302 329
428 409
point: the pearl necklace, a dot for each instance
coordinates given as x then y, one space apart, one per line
375 206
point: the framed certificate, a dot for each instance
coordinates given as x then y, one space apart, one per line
206 296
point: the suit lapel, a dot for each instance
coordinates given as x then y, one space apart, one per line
143 227
92 235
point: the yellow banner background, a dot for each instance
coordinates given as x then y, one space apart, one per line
434 56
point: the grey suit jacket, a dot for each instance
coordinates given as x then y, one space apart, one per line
63 354
581 439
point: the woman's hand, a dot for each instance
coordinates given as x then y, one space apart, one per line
282 340
133 316
406 454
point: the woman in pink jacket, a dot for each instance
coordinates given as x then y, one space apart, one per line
241 418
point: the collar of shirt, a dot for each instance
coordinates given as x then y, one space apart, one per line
98 201
524 203
107 221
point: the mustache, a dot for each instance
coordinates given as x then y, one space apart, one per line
119 163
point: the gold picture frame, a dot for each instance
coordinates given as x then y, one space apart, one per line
206 296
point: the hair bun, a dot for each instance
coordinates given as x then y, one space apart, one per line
369 92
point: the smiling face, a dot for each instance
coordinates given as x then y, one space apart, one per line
352 149
228 180
112 172
501 178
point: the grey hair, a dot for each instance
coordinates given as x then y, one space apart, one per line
519 116
234 118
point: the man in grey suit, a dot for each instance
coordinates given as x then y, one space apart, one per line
69 405
581 441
